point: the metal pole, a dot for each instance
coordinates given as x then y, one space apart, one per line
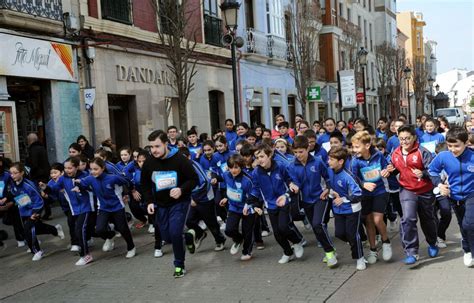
432 101
409 103
234 82
365 96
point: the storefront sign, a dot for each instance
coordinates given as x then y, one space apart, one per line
143 75
347 88
25 57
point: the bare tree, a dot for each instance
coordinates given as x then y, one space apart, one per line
385 58
398 66
303 47
419 82
177 40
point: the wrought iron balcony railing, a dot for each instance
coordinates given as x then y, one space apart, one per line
256 42
50 9
277 47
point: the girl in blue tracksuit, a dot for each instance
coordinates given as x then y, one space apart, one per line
8 209
270 181
202 208
368 166
111 168
307 173
458 163
223 153
283 146
80 203
28 199
346 203
125 159
239 187
431 138
108 190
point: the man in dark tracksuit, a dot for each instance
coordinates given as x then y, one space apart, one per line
168 179
416 194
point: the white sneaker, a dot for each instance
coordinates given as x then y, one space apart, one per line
387 251
151 229
219 247
109 245
298 249
265 233
84 260
59 228
20 243
285 259
219 220
90 243
28 250
372 257
38 256
245 257
331 259
361 264
235 248
441 243
392 226
202 225
158 253
75 248
468 259
131 253
223 227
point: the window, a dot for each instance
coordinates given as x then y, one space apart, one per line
418 41
349 18
166 12
365 3
249 14
343 60
365 33
372 71
359 21
274 18
341 10
116 10
370 5
212 23
370 35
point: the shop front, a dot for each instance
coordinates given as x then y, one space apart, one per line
39 94
134 96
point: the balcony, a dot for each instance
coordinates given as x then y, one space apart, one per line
49 9
212 30
277 48
350 28
35 15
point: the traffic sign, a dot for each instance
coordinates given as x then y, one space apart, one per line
360 98
329 93
314 93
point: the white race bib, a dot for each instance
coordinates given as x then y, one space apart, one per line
165 180
371 173
23 200
431 146
234 194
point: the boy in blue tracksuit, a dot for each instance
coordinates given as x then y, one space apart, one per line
81 204
202 208
369 166
28 199
458 163
347 197
307 173
108 190
195 148
270 181
431 138
223 153
238 189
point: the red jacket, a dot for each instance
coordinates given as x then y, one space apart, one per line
418 157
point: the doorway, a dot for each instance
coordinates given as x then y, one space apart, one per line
28 95
216 109
123 120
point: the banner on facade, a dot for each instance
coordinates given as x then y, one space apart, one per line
25 57
89 97
347 88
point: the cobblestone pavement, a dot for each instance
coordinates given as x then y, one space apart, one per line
220 277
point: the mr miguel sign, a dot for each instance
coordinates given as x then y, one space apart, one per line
25 57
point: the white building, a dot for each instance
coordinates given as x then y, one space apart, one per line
458 84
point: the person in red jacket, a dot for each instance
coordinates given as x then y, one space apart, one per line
416 193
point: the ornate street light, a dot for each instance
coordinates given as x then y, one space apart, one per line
362 55
407 72
230 10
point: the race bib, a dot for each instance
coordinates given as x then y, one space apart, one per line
165 180
224 167
234 194
371 173
209 174
431 146
2 187
327 146
194 150
22 200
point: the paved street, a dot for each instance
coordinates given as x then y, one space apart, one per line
220 277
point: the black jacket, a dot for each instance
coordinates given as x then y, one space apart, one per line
175 164
88 151
38 162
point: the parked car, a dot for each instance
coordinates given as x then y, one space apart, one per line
455 116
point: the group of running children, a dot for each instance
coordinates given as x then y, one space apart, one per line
363 175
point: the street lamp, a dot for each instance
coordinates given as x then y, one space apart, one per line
362 54
230 9
430 83
407 72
